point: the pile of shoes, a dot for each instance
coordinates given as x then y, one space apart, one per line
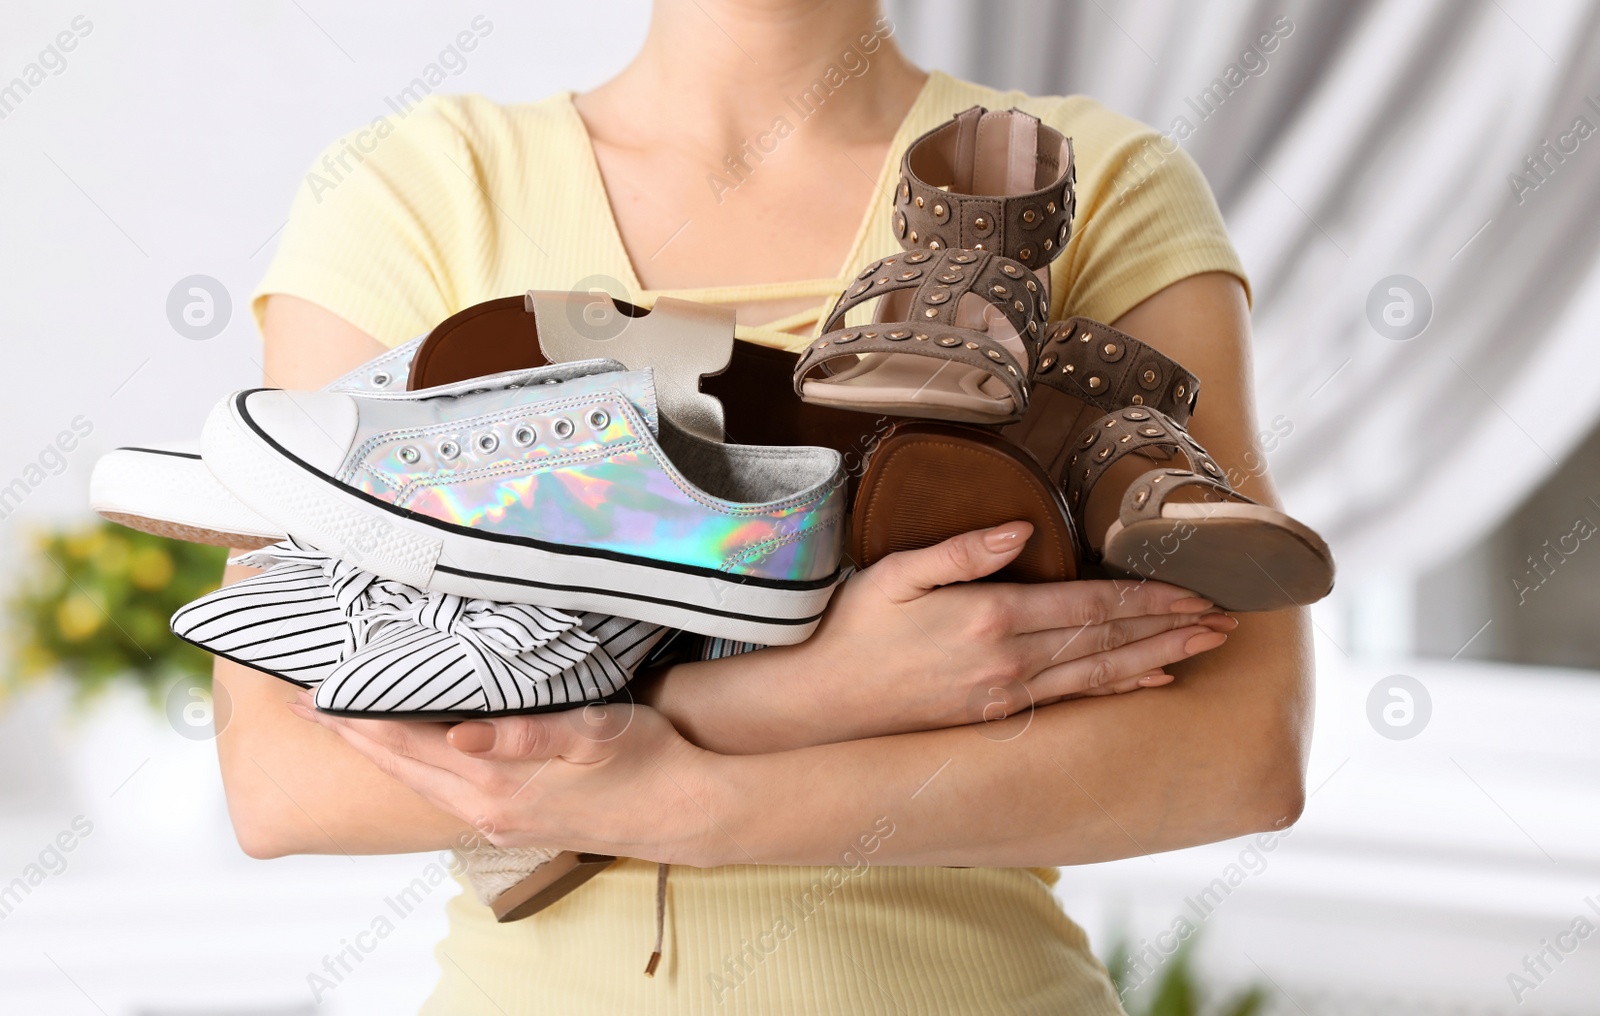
511 513
508 543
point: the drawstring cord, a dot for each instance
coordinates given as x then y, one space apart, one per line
661 918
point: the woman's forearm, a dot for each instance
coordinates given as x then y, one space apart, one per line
1218 754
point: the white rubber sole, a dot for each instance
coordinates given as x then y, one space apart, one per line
168 491
429 554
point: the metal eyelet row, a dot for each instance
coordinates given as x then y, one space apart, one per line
523 434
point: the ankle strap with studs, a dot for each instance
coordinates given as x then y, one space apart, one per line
1111 370
998 181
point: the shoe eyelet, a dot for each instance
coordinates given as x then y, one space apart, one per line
409 455
486 443
381 379
449 450
562 428
523 435
599 419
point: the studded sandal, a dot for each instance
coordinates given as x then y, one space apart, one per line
925 482
1187 526
984 204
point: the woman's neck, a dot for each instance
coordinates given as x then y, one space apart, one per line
741 64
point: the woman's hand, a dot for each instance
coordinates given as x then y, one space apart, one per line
912 643
613 779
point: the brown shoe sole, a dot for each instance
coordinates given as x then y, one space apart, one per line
926 482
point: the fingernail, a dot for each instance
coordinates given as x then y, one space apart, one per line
1191 605
302 711
1204 641
1221 622
1007 537
472 736
1154 679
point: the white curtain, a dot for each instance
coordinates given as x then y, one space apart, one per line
1378 138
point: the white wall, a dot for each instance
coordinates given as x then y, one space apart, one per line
170 145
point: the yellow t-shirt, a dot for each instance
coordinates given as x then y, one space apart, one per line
461 200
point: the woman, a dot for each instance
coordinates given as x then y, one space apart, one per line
841 842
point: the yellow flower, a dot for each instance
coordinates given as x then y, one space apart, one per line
85 543
111 556
151 568
77 618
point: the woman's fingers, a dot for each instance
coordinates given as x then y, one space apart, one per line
1104 670
1048 648
1086 604
910 574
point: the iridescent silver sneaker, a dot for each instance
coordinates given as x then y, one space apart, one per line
559 486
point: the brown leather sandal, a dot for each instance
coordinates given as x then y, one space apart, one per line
984 204
1189 526
925 483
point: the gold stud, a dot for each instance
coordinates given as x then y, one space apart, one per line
999 290
905 191
1149 376
979 246
919 200
1086 337
1140 497
1048 362
1050 206
1138 400
972 345
931 312
933 244
938 208
1094 384
1029 216
1025 254
1109 349
914 237
1179 391
1019 306
921 336
980 222
1033 287
1033 327
1013 371
1049 244
948 340
1011 270
1068 368
1090 438
1150 430
993 354
1137 415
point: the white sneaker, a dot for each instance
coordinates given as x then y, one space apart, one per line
166 489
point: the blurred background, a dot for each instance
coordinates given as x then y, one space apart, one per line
1415 188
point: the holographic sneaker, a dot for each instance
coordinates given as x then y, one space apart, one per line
559 485
165 489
